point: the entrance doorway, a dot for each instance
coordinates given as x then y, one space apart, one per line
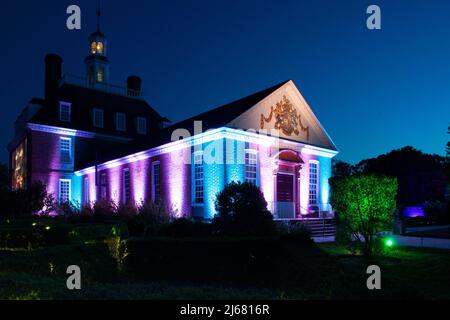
285 205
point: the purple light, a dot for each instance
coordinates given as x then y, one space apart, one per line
413 212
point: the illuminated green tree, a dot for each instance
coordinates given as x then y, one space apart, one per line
365 205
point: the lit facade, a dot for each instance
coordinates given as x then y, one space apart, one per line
88 140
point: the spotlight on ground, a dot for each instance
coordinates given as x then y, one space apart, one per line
388 242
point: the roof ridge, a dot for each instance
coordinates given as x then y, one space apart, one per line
266 92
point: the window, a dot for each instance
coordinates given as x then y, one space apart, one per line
93 47
64 112
250 166
100 75
65 150
313 182
156 189
198 177
64 191
141 125
126 186
120 121
103 186
99 47
97 115
86 191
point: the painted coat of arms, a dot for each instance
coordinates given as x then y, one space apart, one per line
286 118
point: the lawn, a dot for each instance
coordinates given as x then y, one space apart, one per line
300 271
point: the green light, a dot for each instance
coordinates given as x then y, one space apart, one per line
389 243
48 228
34 224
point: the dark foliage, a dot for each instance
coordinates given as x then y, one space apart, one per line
4 178
294 231
342 168
420 176
240 260
25 203
34 235
145 220
183 227
242 210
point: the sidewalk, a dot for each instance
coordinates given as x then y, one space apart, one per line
427 228
421 242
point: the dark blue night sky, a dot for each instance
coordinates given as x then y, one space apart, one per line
373 91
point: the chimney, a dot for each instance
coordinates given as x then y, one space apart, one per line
53 64
134 85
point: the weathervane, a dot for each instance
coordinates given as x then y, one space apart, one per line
98 16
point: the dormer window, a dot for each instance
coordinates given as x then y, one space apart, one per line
121 122
141 125
64 111
97 117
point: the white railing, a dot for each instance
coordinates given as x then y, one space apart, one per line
101 86
282 210
287 211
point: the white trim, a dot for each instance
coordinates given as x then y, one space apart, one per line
86 191
154 164
255 153
125 199
318 200
73 132
194 180
205 137
70 150
59 189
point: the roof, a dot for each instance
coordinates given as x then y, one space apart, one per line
220 116
212 119
83 100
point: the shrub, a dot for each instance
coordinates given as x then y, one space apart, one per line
147 219
24 203
242 210
186 228
437 211
68 209
297 232
104 210
34 235
242 260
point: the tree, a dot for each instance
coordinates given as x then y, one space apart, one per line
26 202
242 210
342 168
4 178
364 206
420 176
447 160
